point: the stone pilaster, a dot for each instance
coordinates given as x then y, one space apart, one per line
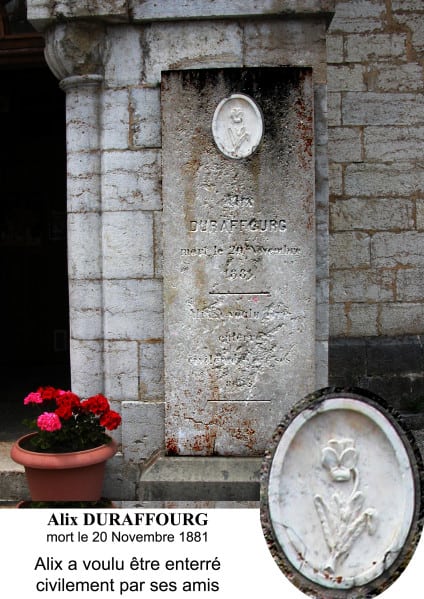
74 54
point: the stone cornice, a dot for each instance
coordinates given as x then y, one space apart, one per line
44 13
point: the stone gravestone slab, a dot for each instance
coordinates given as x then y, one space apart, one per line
341 495
239 254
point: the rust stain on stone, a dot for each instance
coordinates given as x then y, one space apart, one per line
205 443
305 127
172 446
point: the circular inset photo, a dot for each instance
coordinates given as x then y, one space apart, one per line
237 126
341 495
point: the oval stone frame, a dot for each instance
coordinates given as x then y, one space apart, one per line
237 126
334 515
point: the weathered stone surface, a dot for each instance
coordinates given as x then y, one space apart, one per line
239 266
395 78
380 179
366 285
158 243
335 51
393 143
415 24
343 78
349 250
85 306
379 214
84 257
401 318
83 182
380 46
75 49
178 9
200 479
121 479
121 366
420 214
115 119
142 430
189 45
87 366
372 108
43 12
335 172
146 117
151 371
123 57
357 319
291 42
127 244
393 249
131 180
361 16
334 109
345 144
410 285
363 319
133 309
322 236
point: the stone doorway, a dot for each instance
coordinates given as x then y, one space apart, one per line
34 313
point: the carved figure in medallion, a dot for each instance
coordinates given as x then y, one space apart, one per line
237 130
237 126
343 519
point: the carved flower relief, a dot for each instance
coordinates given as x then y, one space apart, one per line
340 458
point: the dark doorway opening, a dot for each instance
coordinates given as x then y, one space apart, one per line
34 308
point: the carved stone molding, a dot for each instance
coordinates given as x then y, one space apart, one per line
75 49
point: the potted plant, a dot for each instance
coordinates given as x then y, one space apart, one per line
65 457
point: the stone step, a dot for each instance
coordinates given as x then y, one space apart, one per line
201 479
13 485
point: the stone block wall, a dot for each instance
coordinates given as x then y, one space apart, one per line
109 58
375 51
134 57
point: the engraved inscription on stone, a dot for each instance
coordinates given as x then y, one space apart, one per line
340 494
237 126
239 260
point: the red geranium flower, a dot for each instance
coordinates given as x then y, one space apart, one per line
48 392
67 398
110 420
68 424
98 404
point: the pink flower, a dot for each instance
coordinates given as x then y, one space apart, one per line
49 421
33 398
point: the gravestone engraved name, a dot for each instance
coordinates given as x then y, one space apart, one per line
239 254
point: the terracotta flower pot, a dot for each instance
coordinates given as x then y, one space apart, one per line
74 476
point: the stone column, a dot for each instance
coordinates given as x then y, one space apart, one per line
84 232
74 54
